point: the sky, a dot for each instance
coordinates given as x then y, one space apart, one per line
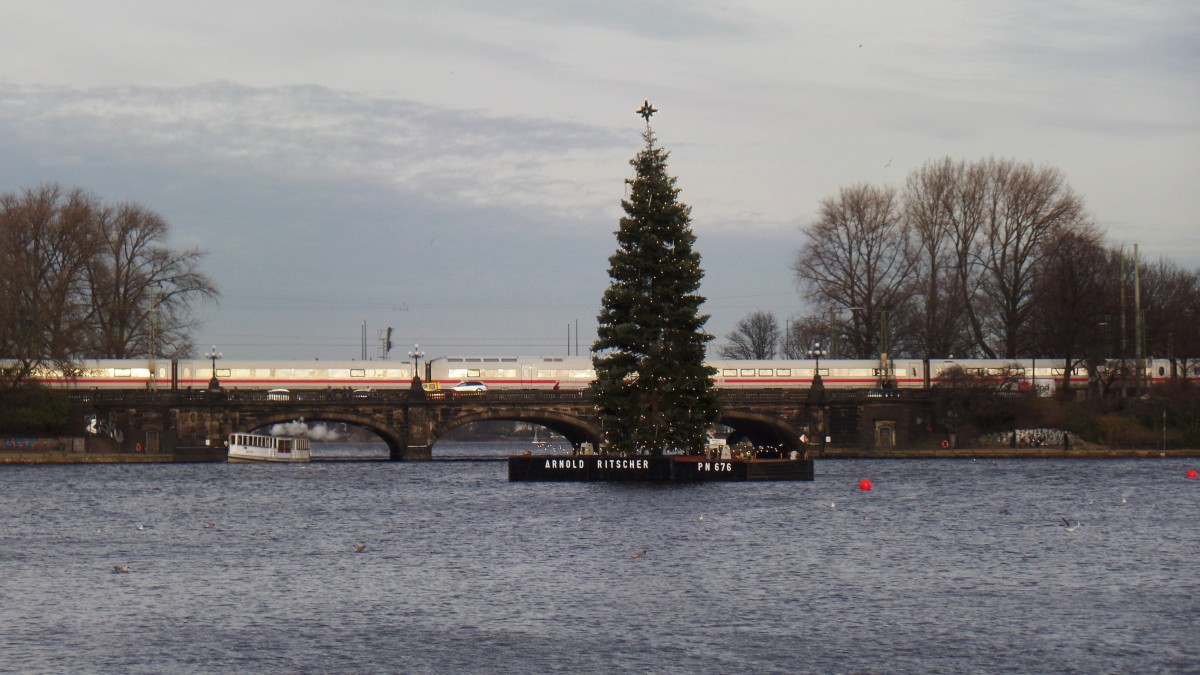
454 170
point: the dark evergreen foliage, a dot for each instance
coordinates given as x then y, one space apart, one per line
32 409
652 387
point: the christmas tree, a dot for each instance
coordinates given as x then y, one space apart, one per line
652 387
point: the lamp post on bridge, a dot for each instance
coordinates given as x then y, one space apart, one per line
816 398
816 353
415 354
213 384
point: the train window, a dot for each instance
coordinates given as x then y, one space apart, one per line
823 372
509 360
358 372
120 372
454 359
222 372
491 360
729 372
1162 371
783 372
552 359
747 372
472 372
766 372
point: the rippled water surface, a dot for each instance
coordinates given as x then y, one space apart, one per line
945 566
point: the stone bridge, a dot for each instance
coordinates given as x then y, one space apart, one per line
195 424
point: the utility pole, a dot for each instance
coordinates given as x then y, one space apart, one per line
153 337
1139 324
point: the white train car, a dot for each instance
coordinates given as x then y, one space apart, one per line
528 372
572 372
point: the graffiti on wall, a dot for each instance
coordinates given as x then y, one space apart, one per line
108 427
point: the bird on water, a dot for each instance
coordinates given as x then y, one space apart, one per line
638 554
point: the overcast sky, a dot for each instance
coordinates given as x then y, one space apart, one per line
454 169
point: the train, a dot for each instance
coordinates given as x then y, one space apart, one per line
572 372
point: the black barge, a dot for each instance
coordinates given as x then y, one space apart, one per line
660 469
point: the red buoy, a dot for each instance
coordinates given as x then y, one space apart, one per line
864 484
1192 474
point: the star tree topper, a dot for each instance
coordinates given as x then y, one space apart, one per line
647 111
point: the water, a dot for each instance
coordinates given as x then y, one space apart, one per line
945 567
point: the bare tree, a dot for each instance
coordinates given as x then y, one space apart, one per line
939 208
754 337
805 333
1171 311
1075 292
46 241
984 227
857 257
142 291
1025 207
81 280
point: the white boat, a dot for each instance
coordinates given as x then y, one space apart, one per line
260 448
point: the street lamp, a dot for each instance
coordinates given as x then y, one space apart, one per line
213 384
415 354
816 353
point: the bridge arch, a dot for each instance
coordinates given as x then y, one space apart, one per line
761 430
388 434
577 431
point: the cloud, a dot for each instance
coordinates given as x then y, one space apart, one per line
306 133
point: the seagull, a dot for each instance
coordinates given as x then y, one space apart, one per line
638 554
701 516
359 548
141 527
833 505
1067 524
120 569
208 526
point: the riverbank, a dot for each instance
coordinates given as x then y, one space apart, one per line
68 450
